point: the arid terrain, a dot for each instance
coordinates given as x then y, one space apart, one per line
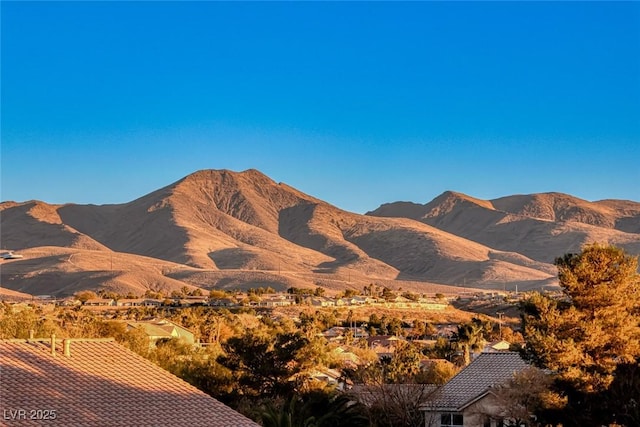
223 229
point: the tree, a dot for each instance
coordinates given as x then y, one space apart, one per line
470 336
391 404
315 409
153 294
525 400
84 296
411 296
437 372
348 293
264 364
17 324
441 349
404 364
419 329
397 405
217 293
623 395
594 329
288 415
388 294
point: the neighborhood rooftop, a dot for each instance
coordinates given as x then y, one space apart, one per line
97 382
487 370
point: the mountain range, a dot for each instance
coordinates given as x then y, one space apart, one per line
234 230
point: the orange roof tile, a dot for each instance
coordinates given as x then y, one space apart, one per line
100 384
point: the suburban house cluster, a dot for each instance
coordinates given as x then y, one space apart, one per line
32 369
266 301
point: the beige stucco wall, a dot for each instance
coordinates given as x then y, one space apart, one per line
473 415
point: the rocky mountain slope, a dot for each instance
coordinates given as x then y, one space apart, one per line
538 226
217 228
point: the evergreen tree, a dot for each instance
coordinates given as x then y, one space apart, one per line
585 336
264 364
471 336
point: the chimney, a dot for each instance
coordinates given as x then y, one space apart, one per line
53 345
67 347
31 333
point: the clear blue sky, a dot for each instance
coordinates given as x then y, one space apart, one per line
356 103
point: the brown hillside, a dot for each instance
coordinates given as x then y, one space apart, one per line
36 223
64 271
539 226
239 229
558 207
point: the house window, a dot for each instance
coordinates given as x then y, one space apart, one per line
451 420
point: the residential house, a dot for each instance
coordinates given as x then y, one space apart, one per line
335 333
360 332
341 302
384 345
97 382
360 300
328 377
276 300
446 330
322 302
196 299
139 302
100 302
494 346
430 304
467 399
190 301
223 302
157 330
401 302
69 302
338 333
347 358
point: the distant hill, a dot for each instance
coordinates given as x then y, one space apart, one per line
538 226
218 228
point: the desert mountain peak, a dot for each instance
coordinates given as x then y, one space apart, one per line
220 228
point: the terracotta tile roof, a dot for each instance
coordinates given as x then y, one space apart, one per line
486 370
100 384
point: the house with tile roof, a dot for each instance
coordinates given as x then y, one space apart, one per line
97 382
384 345
159 329
347 358
467 399
100 302
139 302
493 346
